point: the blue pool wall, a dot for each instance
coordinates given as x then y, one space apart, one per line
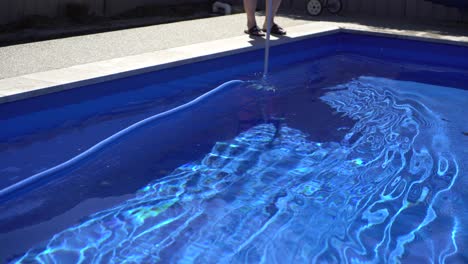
51 110
399 49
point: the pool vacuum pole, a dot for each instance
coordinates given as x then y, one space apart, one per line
267 43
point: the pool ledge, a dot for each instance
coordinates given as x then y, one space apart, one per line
35 84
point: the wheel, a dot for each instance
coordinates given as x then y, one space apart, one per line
334 6
314 7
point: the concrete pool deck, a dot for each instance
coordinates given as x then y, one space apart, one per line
33 69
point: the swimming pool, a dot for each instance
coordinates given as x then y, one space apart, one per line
355 152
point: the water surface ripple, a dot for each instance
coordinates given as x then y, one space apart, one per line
271 195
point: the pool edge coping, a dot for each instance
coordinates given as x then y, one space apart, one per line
41 83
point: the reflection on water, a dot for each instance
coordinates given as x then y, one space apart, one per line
271 195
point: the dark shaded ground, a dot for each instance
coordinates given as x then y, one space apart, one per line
448 28
77 22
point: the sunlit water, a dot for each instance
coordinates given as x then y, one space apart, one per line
383 193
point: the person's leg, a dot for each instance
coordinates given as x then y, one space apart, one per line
249 7
276 4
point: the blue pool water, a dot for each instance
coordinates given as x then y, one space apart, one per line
355 153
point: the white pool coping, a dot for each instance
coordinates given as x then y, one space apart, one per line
35 84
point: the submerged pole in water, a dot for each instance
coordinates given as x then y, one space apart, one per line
267 42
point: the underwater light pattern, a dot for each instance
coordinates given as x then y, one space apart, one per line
273 196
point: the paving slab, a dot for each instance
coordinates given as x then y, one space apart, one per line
40 56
